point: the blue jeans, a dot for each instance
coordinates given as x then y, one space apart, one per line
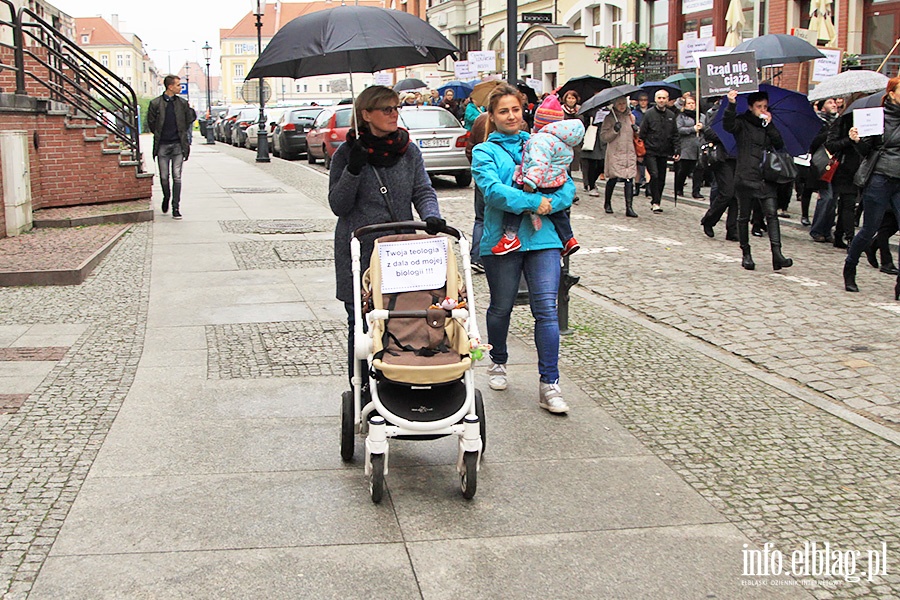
823 218
542 271
170 154
881 193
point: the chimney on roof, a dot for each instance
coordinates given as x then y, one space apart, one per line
115 22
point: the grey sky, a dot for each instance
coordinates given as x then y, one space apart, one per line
170 29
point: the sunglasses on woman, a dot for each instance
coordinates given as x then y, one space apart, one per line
387 110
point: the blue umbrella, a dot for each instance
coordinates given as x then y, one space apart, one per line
791 114
460 89
651 87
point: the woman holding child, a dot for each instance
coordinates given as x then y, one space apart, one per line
493 165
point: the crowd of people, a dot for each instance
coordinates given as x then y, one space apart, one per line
522 173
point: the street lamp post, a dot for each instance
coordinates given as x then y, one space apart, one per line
262 141
187 80
210 134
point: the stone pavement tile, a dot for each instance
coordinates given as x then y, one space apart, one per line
175 445
50 335
182 258
691 561
189 233
173 358
219 512
311 573
535 496
10 333
175 338
23 377
280 206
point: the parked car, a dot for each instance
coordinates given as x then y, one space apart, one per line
244 119
442 140
289 137
252 134
328 132
224 127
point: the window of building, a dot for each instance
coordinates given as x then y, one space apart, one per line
615 25
104 60
659 24
127 60
120 60
755 18
85 39
577 25
465 43
321 87
239 70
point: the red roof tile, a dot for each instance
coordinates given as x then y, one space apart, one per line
101 32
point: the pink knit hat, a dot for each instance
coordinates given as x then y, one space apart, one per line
549 111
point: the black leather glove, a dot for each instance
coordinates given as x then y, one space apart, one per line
433 225
358 158
635 128
617 127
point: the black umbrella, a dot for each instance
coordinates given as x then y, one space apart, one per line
350 39
409 84
779 48
586 86
651 87
607 96
871 101
529 92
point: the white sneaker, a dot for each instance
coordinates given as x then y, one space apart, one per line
497 376
594 192
551 398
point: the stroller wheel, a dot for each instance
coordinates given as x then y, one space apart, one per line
347 428
468 481
479 412
376 480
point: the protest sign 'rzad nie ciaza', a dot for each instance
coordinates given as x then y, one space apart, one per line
722 73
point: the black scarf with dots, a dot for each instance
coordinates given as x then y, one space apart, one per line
383 151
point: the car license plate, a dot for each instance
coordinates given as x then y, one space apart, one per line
444 143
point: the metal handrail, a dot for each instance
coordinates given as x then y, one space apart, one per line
18 59
76 78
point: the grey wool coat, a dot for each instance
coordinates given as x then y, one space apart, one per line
690 143
357 201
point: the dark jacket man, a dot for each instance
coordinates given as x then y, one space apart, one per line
184 119
659 132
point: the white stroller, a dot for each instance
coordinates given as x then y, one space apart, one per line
419 382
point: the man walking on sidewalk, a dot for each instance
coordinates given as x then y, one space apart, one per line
170 118
660 136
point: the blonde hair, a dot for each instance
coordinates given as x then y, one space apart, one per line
370 99
498 93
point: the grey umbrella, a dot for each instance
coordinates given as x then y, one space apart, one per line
779 48
607 96
849 82
350 39
409 84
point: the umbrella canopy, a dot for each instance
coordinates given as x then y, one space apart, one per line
607 96
651 87
687 82
791 114
460 89
779 48
529 92
734 23
586 86
849 82
405 85
872 101
481 91
350 39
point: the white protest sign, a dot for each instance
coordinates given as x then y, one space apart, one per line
386 79
536 84
465 70
823 68
484 60
706 31
869 121
413 265
688 47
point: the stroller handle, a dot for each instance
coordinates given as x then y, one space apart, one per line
379 227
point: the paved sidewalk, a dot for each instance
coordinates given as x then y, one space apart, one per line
186 445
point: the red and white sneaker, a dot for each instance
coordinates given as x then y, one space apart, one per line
506 245
570 247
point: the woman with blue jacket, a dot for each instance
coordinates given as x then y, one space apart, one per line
493 165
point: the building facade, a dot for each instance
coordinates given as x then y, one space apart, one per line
121 52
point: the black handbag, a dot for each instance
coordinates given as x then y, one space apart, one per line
709 155
865 170
778 167
820 160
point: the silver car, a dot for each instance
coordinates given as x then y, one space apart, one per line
442 140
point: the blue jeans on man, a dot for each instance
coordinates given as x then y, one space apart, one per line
542 273
882 193
823 217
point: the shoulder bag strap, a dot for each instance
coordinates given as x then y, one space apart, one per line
386 194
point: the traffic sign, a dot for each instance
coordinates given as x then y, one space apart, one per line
184 89
537 18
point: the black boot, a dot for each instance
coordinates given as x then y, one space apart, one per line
607 201
779 261
747 260
872 255
629 199
897 289
744 239
850 277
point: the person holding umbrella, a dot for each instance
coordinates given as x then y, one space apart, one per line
660 135
376 156
755 133
493 164
619 132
